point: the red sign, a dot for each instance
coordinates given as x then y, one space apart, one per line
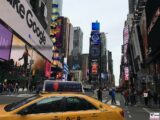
55 86
126 73
94 68
48 69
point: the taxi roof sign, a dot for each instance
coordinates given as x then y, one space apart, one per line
62 86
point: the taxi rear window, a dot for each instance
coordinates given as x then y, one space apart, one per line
52 86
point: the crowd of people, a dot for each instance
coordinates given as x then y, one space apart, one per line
14 88
9 88
147 97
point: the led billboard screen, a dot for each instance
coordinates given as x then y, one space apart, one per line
5 42
23 55
95 26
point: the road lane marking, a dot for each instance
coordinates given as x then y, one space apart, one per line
130 116
117 102
20 95
145 109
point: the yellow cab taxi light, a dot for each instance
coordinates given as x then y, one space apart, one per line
50 86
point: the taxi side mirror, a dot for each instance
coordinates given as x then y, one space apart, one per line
24 112
101 106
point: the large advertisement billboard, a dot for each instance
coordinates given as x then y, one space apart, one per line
95 51
125 35
24 56
5 42
20 18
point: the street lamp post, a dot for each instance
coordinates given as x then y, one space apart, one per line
30 71
100 70
100 88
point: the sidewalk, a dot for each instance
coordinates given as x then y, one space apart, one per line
19 94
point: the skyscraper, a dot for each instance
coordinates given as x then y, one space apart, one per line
132 4
78 39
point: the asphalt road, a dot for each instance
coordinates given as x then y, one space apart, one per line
9 99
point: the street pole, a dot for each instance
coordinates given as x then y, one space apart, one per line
30 71
100 89
29 76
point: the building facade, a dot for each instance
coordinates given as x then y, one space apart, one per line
143 47
77 49
26 35
111 78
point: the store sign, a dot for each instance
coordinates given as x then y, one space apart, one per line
19 16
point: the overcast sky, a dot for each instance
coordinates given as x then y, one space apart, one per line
110 13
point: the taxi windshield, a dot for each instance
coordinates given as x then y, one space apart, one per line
20 103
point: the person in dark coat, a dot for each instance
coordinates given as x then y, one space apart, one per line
145 95
1 87
113 95
126 96
155 98
99 93
158 99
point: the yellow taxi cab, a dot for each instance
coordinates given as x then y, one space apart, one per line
60 101
60 106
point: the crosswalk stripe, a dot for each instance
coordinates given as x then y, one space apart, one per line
117 102
20 95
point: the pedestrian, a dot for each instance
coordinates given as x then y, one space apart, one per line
145 95
150 96
110 93
126 96
16 88
155 98
1 87
132 97
99 93
5 87
158 96
39 88
9 87
113 95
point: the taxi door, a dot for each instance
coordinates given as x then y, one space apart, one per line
42 116
84 115
79 109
